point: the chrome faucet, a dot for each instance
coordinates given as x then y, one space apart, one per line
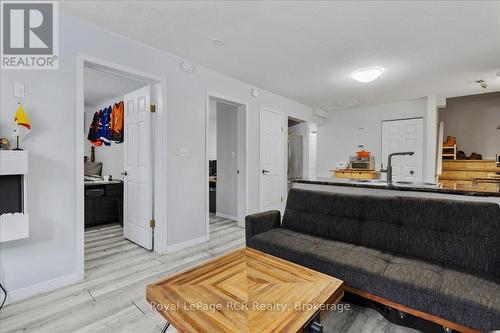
389 164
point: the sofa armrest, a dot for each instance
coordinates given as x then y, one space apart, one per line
261 222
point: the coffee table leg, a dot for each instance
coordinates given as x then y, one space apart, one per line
165 327
314 325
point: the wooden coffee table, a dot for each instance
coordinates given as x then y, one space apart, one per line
245 291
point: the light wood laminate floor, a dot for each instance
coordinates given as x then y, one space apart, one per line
112 296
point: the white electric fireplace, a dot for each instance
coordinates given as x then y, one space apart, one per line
14 218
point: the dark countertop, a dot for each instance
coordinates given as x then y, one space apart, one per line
102 182
472 190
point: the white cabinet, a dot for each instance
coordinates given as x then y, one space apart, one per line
13 162
14 223
14 226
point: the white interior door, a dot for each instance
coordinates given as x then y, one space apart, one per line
391 143
137 185
271 160
399 136
412 140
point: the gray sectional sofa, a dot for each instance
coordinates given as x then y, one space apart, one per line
440 257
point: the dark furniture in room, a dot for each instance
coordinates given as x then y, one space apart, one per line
11 200
103 203
435 259
212 200
212 186
212 194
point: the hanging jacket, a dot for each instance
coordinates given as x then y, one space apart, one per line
93 135
116 123
104 132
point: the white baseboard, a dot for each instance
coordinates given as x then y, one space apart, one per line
39 288
225 216
186 244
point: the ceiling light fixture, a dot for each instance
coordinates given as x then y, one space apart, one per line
217 42
367 74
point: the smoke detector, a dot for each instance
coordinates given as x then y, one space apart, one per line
482 83
187 66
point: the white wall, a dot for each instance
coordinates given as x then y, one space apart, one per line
212 130
431 121
227 161
47 258
339 136
313 149
474 120
303 130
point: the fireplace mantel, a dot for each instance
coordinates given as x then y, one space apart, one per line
14 170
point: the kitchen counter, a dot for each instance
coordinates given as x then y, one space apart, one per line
477 190
102 182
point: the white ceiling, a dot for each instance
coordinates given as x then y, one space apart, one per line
101 87
306 50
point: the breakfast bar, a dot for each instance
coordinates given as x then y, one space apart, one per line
471 192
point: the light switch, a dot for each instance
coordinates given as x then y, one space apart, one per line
20 89
183 152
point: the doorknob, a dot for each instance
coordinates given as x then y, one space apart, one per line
264 171
124 173
412 172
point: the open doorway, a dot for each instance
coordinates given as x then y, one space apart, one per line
115 168
226 161
119 176
297 157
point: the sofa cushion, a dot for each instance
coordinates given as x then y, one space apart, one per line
466 288
326 226
431 287
432 229
287 239
423 276
437 230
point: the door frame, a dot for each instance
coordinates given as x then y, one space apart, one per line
159 139
283 154
305 151
242 159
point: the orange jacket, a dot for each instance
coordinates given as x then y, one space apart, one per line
116 122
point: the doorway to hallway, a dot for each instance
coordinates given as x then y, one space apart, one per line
226 159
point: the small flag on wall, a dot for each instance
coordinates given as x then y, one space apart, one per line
21 118
22 125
